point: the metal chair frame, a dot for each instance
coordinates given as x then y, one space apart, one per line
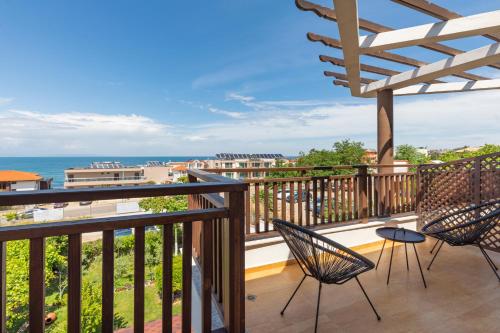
465 227
322 259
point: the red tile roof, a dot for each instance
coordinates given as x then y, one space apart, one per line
18 176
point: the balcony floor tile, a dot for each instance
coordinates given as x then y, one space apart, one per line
463 295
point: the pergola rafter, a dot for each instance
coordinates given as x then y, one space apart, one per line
330 14
438 12
427 33
394 57
424 78
366 68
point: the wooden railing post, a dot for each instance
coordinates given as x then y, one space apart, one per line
3 298
234 243
363 192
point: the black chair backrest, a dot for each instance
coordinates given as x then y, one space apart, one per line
319 256
466 226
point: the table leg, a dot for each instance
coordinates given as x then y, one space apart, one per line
380 256
419 267
390 264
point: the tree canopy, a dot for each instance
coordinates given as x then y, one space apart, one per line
410 154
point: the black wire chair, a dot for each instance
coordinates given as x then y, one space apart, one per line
465 227
322 259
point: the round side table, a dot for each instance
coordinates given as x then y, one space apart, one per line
400 235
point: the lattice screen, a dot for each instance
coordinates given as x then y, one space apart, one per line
446 187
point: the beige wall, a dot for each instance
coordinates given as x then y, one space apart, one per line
158 174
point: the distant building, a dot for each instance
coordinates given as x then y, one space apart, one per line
370 156
196 164
423 150
13 180
402 166
104 174
242 161
466 149
157 172
178 171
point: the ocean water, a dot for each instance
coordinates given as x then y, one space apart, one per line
53 167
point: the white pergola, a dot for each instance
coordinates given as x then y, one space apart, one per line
424 78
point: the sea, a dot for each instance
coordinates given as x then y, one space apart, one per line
53 167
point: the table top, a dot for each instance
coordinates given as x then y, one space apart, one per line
400 235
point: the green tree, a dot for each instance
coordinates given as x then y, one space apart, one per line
91 309
164 204
454 155
411 154
174 203
345 152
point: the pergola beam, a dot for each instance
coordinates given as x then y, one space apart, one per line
365 68
343 77
472 59
428 33
349 30
438 12
449 87
335 43
330 14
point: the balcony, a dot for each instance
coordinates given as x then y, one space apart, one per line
462 296
103 181
236 270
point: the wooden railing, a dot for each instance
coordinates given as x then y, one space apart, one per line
310 200
231 212
444 188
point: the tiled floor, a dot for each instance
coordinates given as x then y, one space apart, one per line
463 295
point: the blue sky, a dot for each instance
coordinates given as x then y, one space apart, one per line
201 77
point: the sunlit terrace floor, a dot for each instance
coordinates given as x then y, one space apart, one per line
463 295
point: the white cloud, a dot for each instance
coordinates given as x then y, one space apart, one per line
232 114
5 100
36 133
434 121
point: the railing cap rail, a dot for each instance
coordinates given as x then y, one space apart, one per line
90 194
310 168
42 230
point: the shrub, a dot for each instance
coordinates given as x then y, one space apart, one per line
176 277
90 251
10 216
124 245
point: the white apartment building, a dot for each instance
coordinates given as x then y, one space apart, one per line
243 161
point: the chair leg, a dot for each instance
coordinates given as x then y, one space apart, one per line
435 255
489 263
380 256
434 246
317 309
489 258
296 289
368 298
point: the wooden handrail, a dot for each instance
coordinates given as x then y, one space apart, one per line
68 195
42 230
309 168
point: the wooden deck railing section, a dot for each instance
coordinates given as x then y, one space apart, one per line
232 255
443 188
310 200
